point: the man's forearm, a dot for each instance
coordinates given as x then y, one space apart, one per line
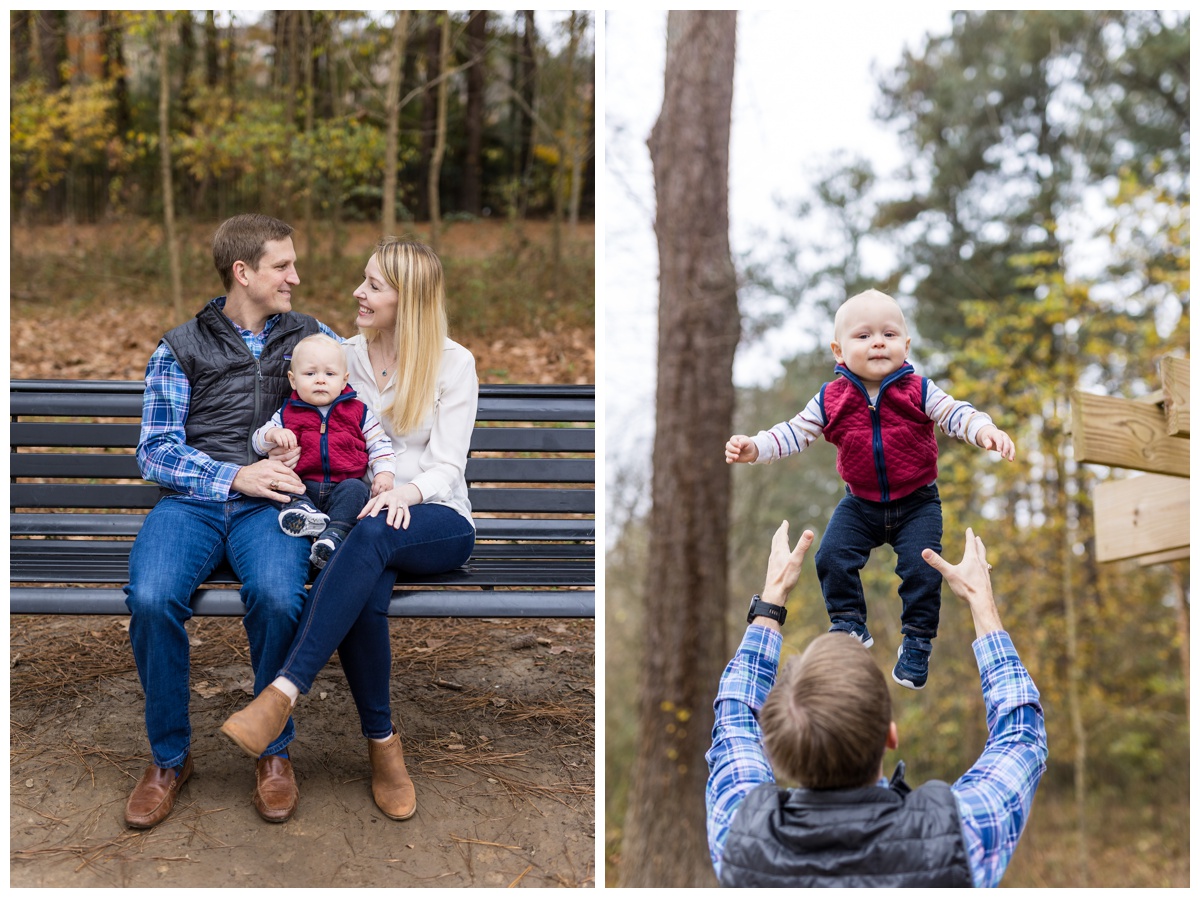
996 795
985 615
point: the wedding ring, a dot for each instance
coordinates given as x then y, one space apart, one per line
275 486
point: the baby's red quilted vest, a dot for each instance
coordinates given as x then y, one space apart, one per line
885 451
343 453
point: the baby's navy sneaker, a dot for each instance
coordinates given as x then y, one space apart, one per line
301 518
912 662
855 629
324 547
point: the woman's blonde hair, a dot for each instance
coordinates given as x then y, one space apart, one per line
415 272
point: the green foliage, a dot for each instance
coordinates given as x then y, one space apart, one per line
51 133
1009 118
522 283
293 111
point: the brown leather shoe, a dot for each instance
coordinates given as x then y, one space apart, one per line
390 784
259 723
154 795
275 792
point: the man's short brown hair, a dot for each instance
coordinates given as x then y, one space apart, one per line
825 722
243 238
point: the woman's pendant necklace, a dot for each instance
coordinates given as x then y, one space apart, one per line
383 369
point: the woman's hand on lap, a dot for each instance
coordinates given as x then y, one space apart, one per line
396 501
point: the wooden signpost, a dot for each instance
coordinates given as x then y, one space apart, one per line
1145 517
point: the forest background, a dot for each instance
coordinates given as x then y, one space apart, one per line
1038 234
132 134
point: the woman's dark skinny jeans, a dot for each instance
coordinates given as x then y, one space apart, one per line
348 604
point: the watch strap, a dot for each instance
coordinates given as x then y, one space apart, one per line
759 608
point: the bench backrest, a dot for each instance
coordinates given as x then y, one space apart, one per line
531 470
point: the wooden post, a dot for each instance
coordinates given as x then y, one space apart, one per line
1176 378
1125 433
1140 516
1145 518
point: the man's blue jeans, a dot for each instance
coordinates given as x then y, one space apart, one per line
908 525
180 544
347 609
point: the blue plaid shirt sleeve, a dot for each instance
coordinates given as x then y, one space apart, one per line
736 762
163 454
995 796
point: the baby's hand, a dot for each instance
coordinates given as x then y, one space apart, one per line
740 449
281 437
383 482
992 437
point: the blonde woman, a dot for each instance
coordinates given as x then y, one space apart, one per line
422 386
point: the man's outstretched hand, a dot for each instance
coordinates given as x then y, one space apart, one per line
783 566
971 581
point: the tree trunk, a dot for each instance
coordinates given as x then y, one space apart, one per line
698 327
439 144
576 141
1181 619
432 56
52 45
114 69
391 154
525 73
20 39
212 61
164 142
310 89
187 60
471 195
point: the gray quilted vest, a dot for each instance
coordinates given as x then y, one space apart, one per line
233 394
868 837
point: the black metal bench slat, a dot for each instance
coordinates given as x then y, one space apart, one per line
119 495
57 434
478 572
479 470
123 399
110 524
406 603
51 433
523 566
28 555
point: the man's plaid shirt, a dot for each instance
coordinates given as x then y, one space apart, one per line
994 796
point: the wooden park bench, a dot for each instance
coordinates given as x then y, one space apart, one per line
77 500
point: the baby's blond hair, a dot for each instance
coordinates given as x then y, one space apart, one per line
839 316
315 339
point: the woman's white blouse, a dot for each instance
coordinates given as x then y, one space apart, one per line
434 456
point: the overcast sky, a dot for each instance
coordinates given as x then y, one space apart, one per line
804 87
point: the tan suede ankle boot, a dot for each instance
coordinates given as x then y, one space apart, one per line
390 784
259 723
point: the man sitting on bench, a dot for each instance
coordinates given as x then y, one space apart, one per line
210 383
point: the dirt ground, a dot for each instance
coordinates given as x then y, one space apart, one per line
497 716
497 719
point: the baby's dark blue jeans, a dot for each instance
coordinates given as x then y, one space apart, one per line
909 525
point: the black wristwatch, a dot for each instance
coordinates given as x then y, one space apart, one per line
759 608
